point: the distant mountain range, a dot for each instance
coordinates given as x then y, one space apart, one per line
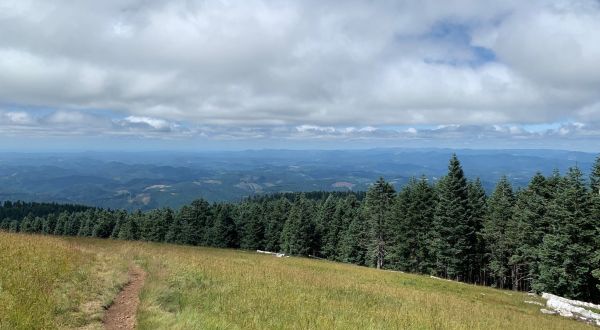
148 180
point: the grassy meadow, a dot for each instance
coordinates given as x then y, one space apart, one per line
53 282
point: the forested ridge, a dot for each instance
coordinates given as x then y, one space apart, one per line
544 237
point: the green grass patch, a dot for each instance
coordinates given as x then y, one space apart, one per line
49 282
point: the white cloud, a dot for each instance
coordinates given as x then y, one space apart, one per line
17 118
303 67
155 123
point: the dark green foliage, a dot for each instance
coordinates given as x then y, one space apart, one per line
379 205
499 245
336 218
120 219
297 235
355 242
595 218
26 225
250 221
197 223
477 213
529 226
130 229
61 222
566 262
545 237
224 233
275 216
175 232
455 239
104 225
160 220
412 228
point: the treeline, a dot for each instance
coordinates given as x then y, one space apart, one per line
544 237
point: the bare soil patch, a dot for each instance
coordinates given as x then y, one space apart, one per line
121 314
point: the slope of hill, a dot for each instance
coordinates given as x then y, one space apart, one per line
154 179
58 282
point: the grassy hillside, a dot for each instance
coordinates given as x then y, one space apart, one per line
60 282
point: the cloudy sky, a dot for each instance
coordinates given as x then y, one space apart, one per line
149 74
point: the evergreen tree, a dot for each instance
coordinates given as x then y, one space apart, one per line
14 226
355 239
37 225
175 233
120 219
565 254
5 224
86 224
26 225
197 223
498 244
412 228
340 213
251 225
329 227
130 229
160 219
379 203
104 225
223 233
297 234
595 218
455 240
61 222
529 228
50 224
477 212
275 219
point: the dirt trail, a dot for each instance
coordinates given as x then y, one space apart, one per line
121 314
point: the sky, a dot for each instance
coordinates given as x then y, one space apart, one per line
252 74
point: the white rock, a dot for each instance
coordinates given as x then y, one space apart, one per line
572 308
546 311
534 302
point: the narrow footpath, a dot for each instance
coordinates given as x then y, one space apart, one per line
121 314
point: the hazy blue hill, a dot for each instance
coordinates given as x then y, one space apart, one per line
156 179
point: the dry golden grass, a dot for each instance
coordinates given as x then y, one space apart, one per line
201 288
48 282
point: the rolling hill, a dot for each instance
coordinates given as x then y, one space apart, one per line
53 282
148 180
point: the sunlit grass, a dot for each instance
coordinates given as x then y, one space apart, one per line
48 282
197 288
56 282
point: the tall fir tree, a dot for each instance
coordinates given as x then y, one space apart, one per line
499 247
297 235
130 229
175 232
595 218
529 228
565 254
197 223
477 211
120 219
275 219
104 225
61 222
411 228
329 227
455 241
224 233
379 206
252 227
355 239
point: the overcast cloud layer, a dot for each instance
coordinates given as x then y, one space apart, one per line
260 69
